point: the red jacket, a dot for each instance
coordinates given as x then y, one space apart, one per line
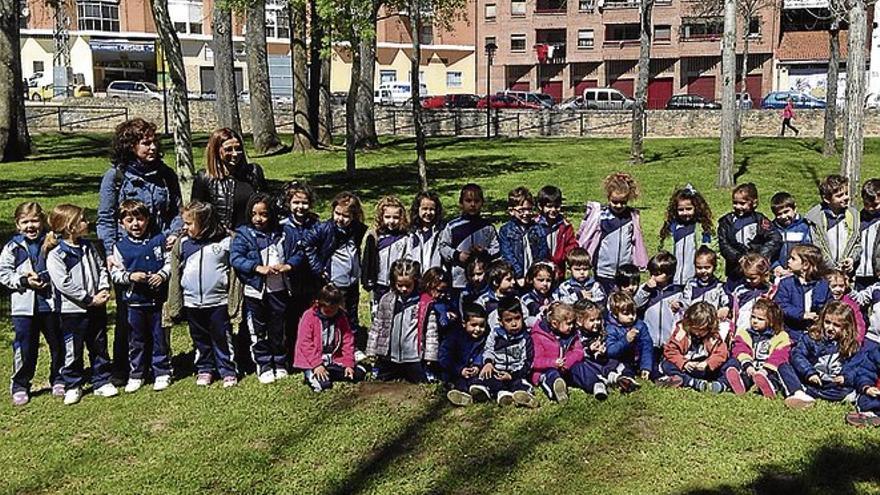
549 347
675 351
308 355
565 242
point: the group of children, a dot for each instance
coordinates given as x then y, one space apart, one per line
491 313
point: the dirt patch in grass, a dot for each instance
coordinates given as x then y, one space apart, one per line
401 394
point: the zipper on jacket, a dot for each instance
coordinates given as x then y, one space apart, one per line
201 287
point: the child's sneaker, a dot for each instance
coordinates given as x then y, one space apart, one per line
600 392
735 380
671 381
20 398
862 420
560 391
106 390
764 385
229 381
281 374
524 399
714 387
133 385
265 378
479 393
627 384
162 382
359 356
799 400
72 396
459 398
204 379
58 390
505 398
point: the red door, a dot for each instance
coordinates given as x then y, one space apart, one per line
580 86
552 88
754 86
625 86
659 92
520 86
703 86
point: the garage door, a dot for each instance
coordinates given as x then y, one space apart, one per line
580 86
625 86
520 86
659 92
703 86
755 89
552 88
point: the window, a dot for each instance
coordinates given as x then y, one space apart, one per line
586 5
517 42
755 28
663 34
277 19
421 76
518 8
702 29
490 11
585 38
186 16
426 34
38 66
453 79
94 15
622 32
387 76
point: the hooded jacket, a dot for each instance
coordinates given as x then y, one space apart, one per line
623 245
511 353
550 345
17 258
310 348
322 242
679 346
459 351
427 336
639 352
655 309
303 282
77 273
251 248
792 296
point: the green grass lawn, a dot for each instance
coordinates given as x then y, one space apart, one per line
394 438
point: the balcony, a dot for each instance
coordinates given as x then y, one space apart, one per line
550 53
551 7
703 31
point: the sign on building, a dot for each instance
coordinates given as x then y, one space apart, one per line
805 4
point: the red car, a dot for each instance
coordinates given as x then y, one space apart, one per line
507 101
451 101
434 102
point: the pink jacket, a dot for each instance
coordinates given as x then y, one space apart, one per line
589 234
548 348
860 320
788 111
308 353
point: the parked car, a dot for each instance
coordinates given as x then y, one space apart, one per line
544 100
451 101
47 92
744 101
778 99
135 90
872 101
396 93
691 102
508 101
571 103
606 99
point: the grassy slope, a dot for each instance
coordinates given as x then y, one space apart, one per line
396 438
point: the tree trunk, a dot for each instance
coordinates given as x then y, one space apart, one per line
743 83
728 99
14 137
224 69
636 153
853 138
325 114
415 21
179 102
317 64
266 139
365 120
302 137
829 148
351 106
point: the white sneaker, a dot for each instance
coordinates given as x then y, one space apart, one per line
266 377
106 390
133 385
162 382
799 400
72 396
359 356
281 374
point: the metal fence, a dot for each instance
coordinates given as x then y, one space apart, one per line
68 117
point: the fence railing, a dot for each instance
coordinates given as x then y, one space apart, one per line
70 116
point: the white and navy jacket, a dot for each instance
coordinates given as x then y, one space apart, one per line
511 353
251 248
617 244
711 291
743 298
570 291
655 309
146 255
464 234
204 278
19 257
78 274
381 250
685 242
423 245
868 227
534 304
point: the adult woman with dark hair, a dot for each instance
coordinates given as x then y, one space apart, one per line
228 180
136 172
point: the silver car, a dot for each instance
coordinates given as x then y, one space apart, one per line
134 90
606 99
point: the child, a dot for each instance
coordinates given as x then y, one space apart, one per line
435 291
823 359
461 354
705 287
792 228
540 280
559 357
258 257
744 231
82 289
612 234
142 268
23 271
803 294
200 275
695 352
659 300
686 210
838 285
520 242
385 244
627 279
325 342
580 285
401 337
869 223
558 231
467 236
628 339
500 284
426 224
834 225
755 285
588 317
507 360
333 249
477 282
759 356
304 284
866 378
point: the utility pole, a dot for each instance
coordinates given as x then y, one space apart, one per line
61 57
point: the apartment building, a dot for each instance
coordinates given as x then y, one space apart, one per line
561 47
116 39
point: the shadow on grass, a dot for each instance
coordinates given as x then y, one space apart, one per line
834 468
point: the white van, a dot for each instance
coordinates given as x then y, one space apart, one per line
135 90
606 99
396 93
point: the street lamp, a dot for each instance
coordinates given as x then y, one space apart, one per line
490 52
